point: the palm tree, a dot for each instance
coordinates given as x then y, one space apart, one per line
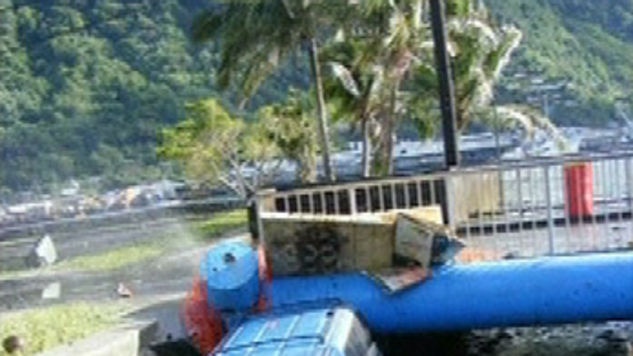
405 40
480 51
389 73
356 87
371 62
256 36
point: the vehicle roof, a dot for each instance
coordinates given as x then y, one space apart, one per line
303 332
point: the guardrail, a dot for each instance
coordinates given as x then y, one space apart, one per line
512 209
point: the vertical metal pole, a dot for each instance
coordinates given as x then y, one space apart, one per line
493 211
393 196
353 209
569 246
506 206
311 197
520 206
618 199
418 190
480 220
445 78
533 211
323 203
407 198
548 202
450 219
628 188
628 176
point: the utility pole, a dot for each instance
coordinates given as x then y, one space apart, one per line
447 90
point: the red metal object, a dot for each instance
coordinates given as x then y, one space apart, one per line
579 189
203 324
265 277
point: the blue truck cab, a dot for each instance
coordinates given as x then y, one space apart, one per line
315 331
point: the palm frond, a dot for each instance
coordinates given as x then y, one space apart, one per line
477 28
458 8
346 78
499 57
531 120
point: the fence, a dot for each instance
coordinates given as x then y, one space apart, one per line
514 209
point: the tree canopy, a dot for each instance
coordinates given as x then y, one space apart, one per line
215 147
86 87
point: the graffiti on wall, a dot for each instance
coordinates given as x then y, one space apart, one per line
315 249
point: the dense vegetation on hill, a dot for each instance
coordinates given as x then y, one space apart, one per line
586 43
86 85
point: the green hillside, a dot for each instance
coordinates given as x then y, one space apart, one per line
588 44
86 85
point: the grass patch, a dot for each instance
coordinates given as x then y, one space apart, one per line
122 257
115 259
222 223
45 328
195 234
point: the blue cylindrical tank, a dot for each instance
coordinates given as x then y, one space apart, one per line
231 274
550 290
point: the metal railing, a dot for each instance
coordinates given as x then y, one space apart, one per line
363 197
514 209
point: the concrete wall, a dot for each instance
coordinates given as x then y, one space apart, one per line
127 340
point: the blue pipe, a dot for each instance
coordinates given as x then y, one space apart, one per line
552 290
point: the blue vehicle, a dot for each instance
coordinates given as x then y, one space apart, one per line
321 331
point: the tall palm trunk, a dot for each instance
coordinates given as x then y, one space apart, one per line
307 167
390 129
366 154
385 164
382 164
313 52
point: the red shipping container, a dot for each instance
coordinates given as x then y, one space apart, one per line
579 189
